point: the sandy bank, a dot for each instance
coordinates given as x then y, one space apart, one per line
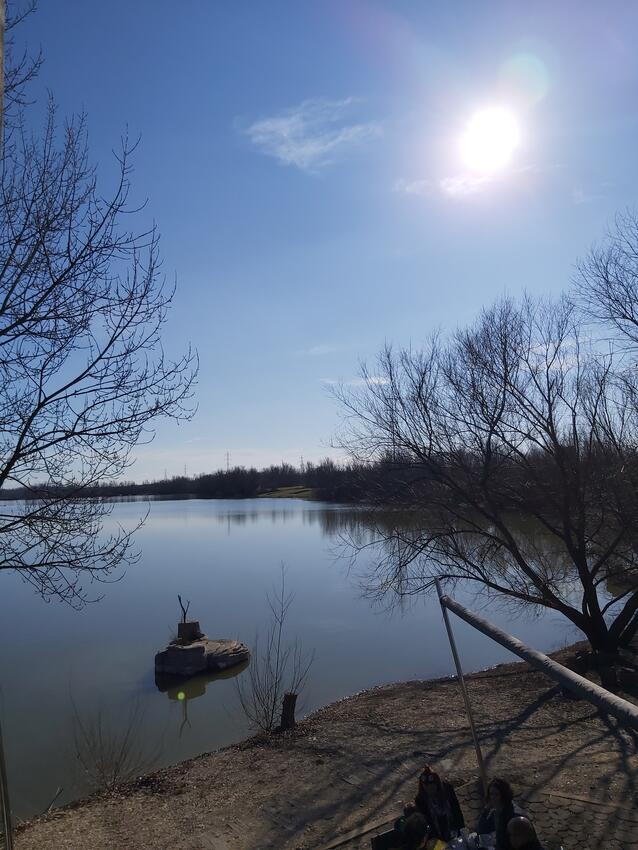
354 761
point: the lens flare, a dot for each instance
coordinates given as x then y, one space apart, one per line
526 78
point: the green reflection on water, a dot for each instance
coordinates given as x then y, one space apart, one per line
178 688
183 690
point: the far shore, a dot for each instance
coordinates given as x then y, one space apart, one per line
354 762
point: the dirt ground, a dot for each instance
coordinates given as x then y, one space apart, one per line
353 762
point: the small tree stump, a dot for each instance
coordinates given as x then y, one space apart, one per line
288 712
188 631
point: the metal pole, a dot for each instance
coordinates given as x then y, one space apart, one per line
5 807
625 711
466 697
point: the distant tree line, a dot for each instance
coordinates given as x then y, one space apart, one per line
389 481
327 480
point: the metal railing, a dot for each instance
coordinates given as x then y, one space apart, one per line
626 712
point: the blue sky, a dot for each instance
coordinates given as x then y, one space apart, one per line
302 162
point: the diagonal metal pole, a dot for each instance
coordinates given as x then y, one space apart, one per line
466 696
5 807
607 702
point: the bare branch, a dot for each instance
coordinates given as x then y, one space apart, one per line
513 444
83 374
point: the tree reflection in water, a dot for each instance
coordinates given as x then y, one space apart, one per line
183 690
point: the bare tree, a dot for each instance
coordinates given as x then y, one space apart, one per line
515 443
109 754
607 283
83 375
277 670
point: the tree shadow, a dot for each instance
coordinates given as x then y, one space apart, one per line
373 786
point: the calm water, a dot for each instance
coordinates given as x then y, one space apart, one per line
224 556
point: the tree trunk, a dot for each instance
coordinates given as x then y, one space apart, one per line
608 674
288 712
599 637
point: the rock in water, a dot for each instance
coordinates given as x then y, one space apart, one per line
190 657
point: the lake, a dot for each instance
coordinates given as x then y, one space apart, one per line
224 556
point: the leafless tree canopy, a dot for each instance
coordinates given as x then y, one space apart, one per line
20 69
83 375
608 280
517 440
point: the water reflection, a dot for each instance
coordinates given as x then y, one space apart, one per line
184 690
401 563
108 648
251 512
252 517
333 521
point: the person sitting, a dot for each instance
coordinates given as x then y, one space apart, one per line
415 832
410 831
522 835
499 811
436 800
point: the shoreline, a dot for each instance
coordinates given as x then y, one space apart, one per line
353 761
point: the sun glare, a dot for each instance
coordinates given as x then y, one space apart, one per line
491 137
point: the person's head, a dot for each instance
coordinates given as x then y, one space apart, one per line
521 833
499 793
415 831
430 782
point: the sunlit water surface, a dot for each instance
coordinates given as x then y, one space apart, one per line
225 557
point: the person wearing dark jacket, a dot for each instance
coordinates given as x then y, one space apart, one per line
415 832
500 810
438 803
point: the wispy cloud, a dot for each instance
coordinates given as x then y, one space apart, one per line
356 382
324 348
415 187
462 185
458 186
585 195
311 135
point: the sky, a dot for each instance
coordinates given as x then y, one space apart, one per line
307 166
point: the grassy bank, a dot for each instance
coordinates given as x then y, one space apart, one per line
296 492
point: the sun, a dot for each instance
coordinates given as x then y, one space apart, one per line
490 139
